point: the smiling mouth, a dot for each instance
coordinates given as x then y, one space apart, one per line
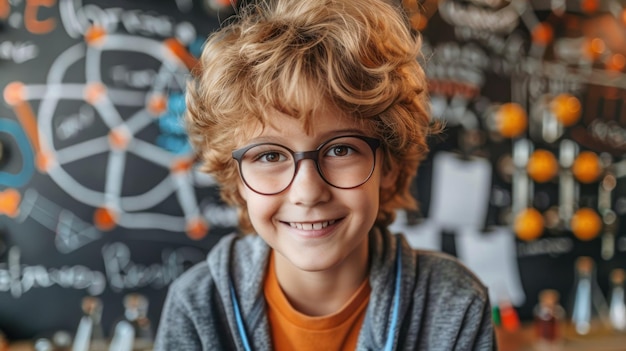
311 226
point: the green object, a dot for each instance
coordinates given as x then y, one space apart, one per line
495 316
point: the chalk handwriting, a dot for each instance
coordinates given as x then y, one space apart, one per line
122 273
546 246
77 19
72 125
18 278
126 77
32 22
609 132
452 62
71 232
31 17
503 20
511 47
219 215
490 3
552 77
18 52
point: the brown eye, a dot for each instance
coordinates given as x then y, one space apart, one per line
340 151
271 157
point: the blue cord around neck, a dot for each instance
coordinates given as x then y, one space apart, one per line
389 343
396 300
239 320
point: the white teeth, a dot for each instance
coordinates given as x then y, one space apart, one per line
311 226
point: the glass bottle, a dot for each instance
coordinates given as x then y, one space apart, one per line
549 316
589 311
135 323
617 305
90 334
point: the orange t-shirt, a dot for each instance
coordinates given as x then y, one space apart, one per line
292 330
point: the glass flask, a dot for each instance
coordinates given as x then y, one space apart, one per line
549 317
90 334
617 305
134 324
589 311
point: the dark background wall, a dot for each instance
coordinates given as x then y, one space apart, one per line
99 194
96 89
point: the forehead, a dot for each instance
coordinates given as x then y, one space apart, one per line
324 122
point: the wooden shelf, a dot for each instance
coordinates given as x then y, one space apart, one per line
525 340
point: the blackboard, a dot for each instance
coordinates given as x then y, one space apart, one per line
99 194
99 189
481 54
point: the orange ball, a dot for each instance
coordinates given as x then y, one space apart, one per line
542 166
511 120
587 167
566 108
589 6
586 224
528 224
616 62
542 34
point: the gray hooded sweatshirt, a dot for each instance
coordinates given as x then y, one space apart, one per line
419 300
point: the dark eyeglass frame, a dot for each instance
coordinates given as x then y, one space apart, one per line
313 155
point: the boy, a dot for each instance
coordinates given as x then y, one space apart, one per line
312 115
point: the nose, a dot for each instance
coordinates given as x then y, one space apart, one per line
308 188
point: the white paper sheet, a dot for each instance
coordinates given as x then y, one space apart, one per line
425 235
492 256
460 191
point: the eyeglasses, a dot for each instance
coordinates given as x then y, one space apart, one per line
344 162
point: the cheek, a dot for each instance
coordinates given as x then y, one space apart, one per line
366 201
260 208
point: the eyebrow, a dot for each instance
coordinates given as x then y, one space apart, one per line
279 139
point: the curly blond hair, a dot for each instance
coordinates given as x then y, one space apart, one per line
294 56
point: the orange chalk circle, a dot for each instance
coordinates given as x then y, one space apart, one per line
587 167
542 34
14 93
586 224
118 139
95 35
542 166
44 161
182 165
9 202
157 105
197 229
511 120
105 219
529 224
94 92
566 109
